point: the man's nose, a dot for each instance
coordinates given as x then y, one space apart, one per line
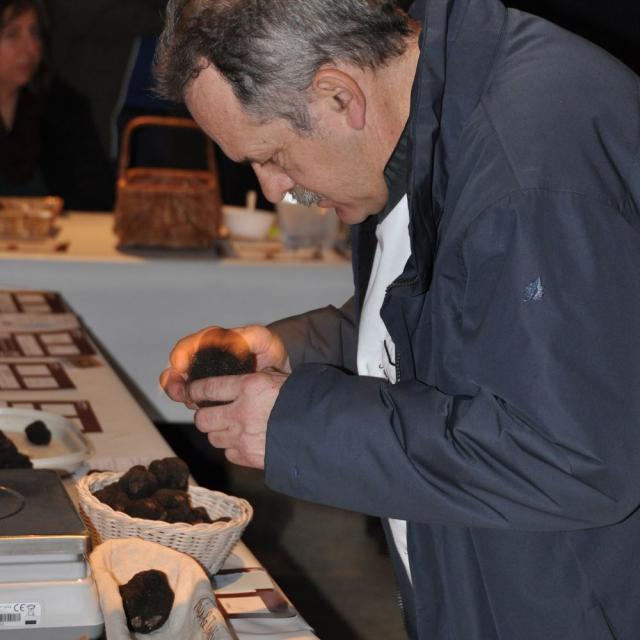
273 180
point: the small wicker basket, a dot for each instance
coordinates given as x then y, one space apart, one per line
25 218
166 207
209 544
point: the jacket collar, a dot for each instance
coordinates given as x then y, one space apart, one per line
458 42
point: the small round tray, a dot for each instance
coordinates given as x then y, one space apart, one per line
68 448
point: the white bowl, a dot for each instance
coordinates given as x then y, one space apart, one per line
251 224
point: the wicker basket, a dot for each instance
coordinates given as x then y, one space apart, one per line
209 544
28 218
170 208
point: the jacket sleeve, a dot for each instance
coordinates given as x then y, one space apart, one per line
546 435
326 335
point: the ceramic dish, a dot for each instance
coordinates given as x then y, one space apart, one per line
68 448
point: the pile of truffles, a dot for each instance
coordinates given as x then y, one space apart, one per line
147 600
10 458
156 493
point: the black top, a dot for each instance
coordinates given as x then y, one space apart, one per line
54 149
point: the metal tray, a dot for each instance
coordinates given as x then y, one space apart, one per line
68 448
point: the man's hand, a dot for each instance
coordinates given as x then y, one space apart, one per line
267 347
240 427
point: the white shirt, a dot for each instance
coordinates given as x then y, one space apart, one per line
376 351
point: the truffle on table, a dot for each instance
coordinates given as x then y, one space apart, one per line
171 473
6 444
200 516
14 460
221 519
147 600
179 514
10 457
38 433
138 482
113 496
146 508
172 498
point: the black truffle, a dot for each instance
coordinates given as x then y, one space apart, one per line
163 493
210 362
221 519
201 515
14 460
179 514
172 499
10 457
171 473
138 482
6 444
146 508
222 352
38 433
113 496
147 600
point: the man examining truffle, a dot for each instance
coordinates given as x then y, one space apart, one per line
480 390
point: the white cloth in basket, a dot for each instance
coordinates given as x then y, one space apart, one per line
194 616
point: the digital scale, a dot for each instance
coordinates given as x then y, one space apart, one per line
46 588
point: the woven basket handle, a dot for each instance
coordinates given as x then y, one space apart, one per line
157 121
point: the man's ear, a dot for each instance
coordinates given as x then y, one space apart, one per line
342 94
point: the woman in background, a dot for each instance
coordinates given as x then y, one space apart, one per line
48 141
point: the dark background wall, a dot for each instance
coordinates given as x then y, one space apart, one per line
92 42
91 45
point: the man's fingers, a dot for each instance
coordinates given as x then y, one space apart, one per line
211 419
180 356
246 460
222 439
173 384
184 349
220 388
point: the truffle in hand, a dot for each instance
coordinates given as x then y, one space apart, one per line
38 433
147 600
222 352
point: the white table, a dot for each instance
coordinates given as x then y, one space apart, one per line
140 305
119 430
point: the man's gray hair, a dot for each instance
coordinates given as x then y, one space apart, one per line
270 50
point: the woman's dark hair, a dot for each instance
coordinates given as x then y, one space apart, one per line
270 51
10 9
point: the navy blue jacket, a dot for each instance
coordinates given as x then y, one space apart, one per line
511 441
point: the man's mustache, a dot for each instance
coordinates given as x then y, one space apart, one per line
305 196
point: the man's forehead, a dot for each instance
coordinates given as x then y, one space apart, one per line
217 110
209 96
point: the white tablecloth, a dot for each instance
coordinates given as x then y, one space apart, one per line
121 433
140 306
